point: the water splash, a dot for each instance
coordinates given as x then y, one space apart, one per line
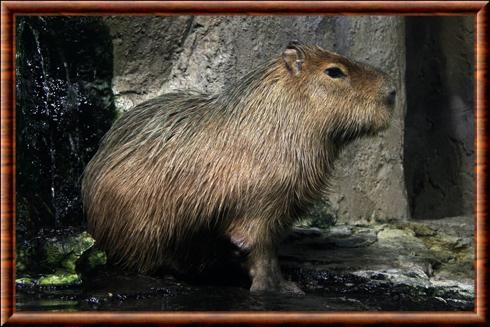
64 106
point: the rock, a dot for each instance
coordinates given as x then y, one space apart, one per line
23 256
382 267
422 230
24 281
96 258
58 258
299 232
359 237
59 279
439 151
401 239
399 258
65 252
340 231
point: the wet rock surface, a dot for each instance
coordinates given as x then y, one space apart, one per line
57 258
397 266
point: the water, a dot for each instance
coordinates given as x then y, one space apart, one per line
64 106
325 291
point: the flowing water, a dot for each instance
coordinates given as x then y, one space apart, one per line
64 104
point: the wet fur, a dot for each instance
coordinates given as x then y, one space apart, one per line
179 175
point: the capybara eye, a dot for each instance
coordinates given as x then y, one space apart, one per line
334 72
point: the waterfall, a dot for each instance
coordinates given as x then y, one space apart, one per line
64 105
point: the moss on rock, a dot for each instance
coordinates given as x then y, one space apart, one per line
96 258
59 279
25 281
65 252
23 258
59 258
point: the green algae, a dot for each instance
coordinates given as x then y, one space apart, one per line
60 259
61 278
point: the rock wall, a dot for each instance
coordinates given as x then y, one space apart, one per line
369 176
439 133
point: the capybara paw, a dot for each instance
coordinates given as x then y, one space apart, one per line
269 286
291 288
260 286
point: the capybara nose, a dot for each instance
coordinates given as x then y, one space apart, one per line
391 97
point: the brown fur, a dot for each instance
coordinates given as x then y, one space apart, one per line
181 171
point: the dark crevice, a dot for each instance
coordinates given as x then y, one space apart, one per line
438 147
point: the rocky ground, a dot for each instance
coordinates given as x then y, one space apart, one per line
414 265
389 266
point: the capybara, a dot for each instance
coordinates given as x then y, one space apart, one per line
179 174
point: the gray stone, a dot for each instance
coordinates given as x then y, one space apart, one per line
387 257
369 174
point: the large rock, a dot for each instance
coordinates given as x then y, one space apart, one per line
57 258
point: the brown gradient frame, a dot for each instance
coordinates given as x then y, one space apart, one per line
9 9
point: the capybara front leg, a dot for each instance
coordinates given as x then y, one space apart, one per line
263 267
265 273
258 240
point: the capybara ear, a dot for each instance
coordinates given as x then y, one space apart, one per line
293 57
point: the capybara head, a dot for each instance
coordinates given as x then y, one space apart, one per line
352 99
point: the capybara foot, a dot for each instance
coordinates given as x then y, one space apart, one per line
268 285
288 287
